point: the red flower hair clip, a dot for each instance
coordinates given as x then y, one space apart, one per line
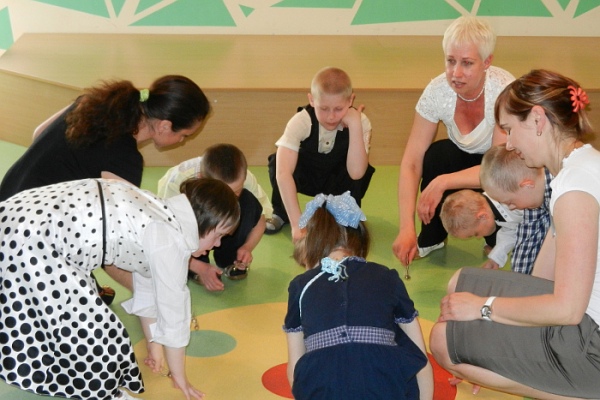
579 98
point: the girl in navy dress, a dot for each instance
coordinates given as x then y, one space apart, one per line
352 330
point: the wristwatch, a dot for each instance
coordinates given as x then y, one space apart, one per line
486 310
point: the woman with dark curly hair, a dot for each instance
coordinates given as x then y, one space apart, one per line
98 135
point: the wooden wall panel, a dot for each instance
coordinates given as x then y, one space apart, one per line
255 83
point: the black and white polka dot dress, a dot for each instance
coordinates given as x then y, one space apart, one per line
57 337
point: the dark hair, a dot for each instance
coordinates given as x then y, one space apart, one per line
549 90
177 99
324 234
225 162
113 108
213 202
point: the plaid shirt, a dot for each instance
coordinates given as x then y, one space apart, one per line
532 232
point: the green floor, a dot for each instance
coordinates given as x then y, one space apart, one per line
245 307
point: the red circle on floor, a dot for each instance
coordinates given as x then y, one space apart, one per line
275 380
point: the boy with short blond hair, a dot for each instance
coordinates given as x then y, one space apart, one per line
505 177
324 149
511 185
468 213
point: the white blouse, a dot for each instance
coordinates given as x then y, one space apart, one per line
581 172
438 103
154 239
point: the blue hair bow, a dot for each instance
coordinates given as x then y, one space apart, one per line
343 208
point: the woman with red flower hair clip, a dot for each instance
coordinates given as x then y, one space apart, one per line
549 349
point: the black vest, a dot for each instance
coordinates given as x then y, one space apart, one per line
309 147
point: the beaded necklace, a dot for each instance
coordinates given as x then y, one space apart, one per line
476 97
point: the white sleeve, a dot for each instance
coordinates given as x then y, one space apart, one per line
430 104
168 185
506 238
297 129
165 296
366 126
252 185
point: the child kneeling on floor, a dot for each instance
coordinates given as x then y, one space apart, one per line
226 163
352 330
467 213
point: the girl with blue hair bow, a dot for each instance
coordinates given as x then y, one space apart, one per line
352 330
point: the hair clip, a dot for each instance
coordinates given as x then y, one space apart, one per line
144 95
579 98
343 208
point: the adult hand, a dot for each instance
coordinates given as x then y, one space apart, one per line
297 234
461 306
188 390
208 275
430 198
405 247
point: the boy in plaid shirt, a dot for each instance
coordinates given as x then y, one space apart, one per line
505 178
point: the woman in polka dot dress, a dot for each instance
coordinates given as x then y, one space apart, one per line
57 337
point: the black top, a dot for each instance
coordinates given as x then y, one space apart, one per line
52 159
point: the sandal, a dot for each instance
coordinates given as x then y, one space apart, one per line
234 273
107 294
274 224
123 395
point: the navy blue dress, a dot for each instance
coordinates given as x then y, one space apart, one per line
355 349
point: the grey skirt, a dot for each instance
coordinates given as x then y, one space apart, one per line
563 360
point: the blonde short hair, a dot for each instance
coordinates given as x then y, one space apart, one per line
460 209
504 170
470 30
331 80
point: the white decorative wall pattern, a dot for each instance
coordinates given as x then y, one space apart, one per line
294 17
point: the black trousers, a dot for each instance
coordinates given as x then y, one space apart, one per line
250 213
442 157
311 180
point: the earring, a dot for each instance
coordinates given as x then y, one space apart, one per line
538 131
